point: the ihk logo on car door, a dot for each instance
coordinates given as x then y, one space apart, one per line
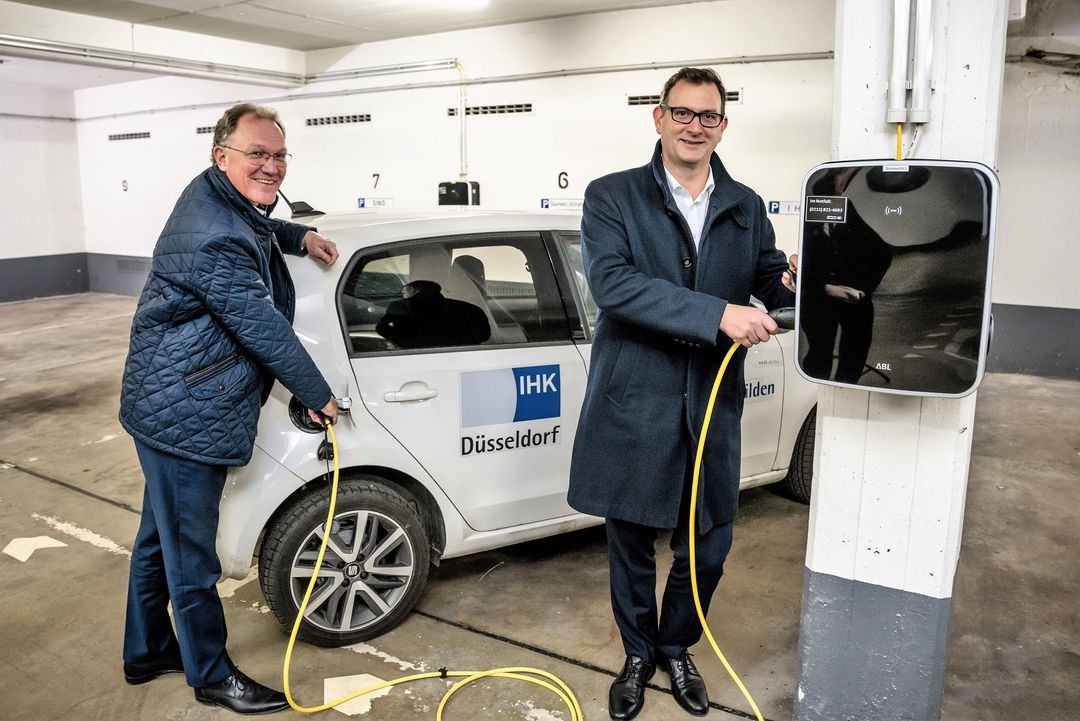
502 399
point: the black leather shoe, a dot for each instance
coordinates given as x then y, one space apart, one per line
241 694
627 693
686 684
140 672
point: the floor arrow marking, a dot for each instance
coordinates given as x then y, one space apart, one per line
334 688
22 548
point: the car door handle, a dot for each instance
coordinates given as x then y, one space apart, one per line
416 394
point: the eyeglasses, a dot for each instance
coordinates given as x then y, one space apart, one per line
708 119
261 157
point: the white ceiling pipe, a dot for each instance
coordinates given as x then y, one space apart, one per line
898 73
924 54
371 71
519 77
127 60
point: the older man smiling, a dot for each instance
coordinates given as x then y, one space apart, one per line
211 333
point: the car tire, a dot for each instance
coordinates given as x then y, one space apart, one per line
799 480
375 566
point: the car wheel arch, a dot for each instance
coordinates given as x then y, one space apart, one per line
423 502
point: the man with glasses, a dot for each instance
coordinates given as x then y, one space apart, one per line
673 251
211 333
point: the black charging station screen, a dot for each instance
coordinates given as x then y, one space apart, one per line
893 276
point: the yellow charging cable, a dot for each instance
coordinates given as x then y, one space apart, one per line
899 141
531 675
693 530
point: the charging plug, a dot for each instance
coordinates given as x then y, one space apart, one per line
784 317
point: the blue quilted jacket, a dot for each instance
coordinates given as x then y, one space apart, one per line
213 328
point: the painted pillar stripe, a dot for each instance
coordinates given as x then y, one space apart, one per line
859 643
895 508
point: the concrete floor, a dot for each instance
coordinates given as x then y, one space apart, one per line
68 472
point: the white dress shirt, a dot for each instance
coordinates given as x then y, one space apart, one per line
693 210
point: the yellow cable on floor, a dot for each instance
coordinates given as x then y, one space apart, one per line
693 530
557 686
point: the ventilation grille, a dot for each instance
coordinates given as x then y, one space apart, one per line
339 119
204 129
130 136
733 96
493 109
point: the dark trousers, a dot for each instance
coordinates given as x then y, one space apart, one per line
175 559
632 563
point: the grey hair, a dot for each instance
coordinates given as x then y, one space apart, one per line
228 122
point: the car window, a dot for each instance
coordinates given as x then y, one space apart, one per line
454 292
571 246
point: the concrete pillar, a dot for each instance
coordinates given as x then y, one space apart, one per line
890 472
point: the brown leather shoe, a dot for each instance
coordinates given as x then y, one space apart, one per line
627 693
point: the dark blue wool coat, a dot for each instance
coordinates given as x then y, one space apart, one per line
656 347
213 328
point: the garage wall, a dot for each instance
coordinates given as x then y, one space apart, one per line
1036 301
580 126
40 194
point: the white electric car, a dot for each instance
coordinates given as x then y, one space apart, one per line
465 399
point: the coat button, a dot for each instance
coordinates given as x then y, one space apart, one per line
686 262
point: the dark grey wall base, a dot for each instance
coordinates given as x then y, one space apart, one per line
120 274
869 653
43 276
1035 341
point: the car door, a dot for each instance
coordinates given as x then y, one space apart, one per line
763 368
461 349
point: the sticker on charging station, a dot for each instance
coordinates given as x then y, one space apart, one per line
826 209
510 396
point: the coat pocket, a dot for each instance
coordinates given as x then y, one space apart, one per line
216 378
622 373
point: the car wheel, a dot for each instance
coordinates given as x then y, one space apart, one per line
375 566
800 477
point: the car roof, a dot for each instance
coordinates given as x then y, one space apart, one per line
357 230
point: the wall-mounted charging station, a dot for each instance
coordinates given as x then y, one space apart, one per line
895 262
459 193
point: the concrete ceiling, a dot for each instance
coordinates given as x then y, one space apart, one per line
318 24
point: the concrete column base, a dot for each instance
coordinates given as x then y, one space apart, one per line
869 653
